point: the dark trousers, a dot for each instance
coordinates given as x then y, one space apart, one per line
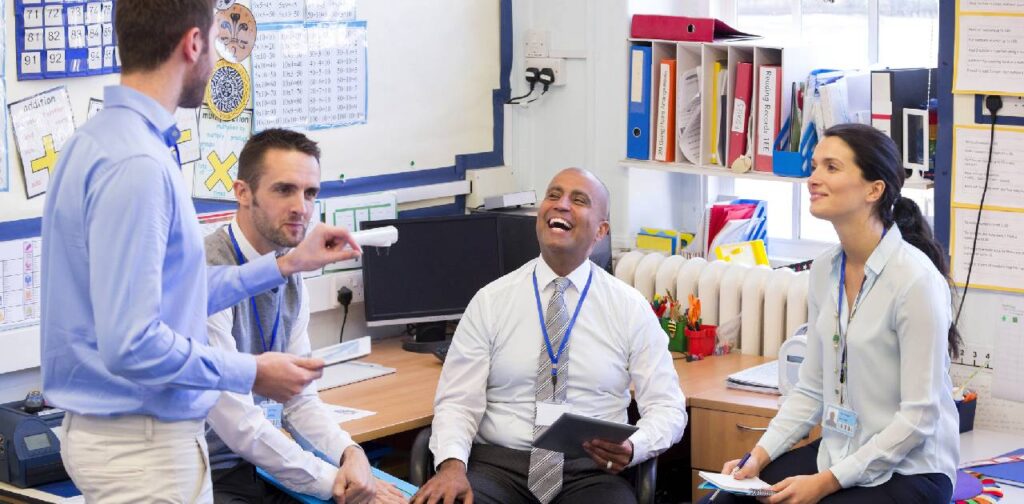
241 485
499 476
931 488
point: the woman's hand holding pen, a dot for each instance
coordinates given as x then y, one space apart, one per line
751 468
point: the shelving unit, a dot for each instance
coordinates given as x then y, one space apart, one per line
711 171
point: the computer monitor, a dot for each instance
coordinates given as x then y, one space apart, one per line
429 275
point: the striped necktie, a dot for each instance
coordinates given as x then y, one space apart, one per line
545 475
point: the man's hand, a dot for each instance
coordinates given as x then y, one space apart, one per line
281 376
354 483
602 452
803 489
448 484
388 494
322 246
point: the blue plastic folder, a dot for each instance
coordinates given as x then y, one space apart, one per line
402 486
1012 471
638 136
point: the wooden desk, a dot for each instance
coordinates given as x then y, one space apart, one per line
403 401
724 423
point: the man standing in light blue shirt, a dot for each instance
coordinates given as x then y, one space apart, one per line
126 291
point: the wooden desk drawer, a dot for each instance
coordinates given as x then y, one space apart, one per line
720 436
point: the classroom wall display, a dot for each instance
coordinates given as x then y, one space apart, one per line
42 123
65 38
188 142
220 145
228 91
236 33
310 75
5 177
20 273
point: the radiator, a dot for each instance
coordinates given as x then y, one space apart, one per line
758 307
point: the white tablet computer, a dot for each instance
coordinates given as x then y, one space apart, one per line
569 432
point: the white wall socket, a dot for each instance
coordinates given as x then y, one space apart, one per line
538 43
557 65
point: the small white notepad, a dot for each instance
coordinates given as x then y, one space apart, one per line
752 486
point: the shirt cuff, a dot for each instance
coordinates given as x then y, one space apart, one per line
238 372
323 488
847 472
261 275
451 452
641 445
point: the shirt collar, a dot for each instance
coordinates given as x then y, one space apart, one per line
578 277
880 256
150 110
248 251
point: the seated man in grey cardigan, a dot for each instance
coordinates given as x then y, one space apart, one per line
278 182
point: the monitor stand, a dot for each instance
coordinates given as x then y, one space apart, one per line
427 336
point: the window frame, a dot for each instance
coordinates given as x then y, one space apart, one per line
797 247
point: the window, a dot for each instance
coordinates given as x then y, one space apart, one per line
903 34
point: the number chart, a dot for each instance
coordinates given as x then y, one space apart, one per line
65 38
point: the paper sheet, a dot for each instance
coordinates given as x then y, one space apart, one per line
336 74
351 211
20 275
42 123
220 144
967 6
1008 368
330 10
992 413
688 118
95 106
342 414
276 11
970 157
279 64
5 167
989 56
188 143
999 256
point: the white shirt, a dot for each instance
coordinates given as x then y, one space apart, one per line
486 392
897 370
240 423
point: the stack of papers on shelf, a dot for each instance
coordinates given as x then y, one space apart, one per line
763 379
753 487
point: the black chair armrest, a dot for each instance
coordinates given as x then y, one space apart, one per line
421 461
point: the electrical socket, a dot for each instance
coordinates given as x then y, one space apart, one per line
557 65
537 43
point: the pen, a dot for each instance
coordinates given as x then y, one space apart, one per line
737 468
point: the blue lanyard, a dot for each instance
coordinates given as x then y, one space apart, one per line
568 330
252 300
839 310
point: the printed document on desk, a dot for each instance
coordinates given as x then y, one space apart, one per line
350 372
763 379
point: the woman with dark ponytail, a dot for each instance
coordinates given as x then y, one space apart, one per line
879 340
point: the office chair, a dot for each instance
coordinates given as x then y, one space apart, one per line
643 477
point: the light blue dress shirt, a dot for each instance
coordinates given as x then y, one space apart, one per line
126 290
898 370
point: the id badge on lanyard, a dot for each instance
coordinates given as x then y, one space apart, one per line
273 411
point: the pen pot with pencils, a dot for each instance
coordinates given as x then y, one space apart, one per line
966 406
700 338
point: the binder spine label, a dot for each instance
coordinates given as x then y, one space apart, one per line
636 91
661 139
766 111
